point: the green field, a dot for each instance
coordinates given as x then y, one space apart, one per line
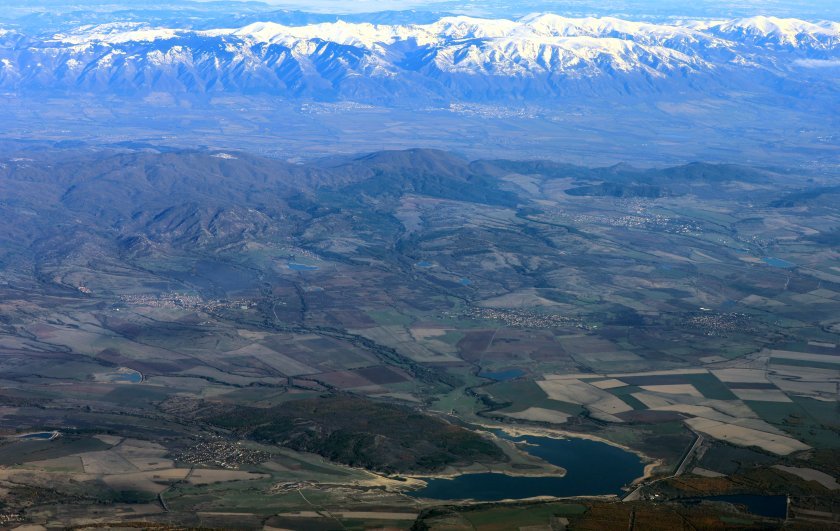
302 394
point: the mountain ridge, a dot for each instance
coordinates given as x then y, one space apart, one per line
541 56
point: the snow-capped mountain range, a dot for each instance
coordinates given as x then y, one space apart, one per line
540 56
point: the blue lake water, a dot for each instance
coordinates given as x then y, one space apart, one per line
592 468
42 436
302 267
778 262
424 264
501 376
130 377
465 281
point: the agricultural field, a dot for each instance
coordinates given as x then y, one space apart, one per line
317 359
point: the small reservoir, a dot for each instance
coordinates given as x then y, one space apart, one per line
301 267
121 375
39 436
592 468
778 262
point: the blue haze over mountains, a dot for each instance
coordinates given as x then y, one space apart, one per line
299 264
677 80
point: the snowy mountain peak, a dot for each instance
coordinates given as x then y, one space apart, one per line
454 28
540 55
780 31
115 33
764 25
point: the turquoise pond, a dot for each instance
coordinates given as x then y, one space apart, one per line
302 267
129 377
592 468
778 262
40 436
122 375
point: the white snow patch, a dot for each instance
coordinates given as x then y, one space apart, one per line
818 63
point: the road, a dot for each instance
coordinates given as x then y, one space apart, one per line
636 493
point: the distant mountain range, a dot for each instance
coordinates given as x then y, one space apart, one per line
537 58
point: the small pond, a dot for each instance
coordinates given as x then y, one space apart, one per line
778 262
301 267
128 377
40 436
121 375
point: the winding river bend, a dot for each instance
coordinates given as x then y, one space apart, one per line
592 468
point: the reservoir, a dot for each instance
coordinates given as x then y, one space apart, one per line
592 468
301 267
121 375
778 262
40 436
128 377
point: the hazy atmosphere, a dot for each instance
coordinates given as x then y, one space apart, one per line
420 265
